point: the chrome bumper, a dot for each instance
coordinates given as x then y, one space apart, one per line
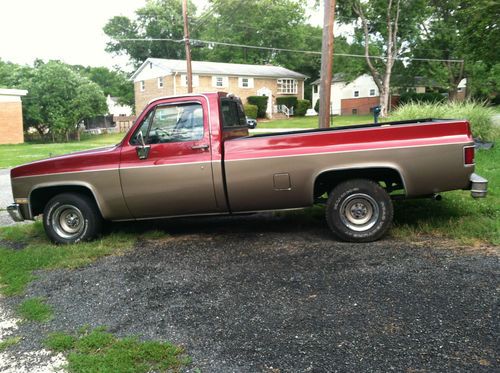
478 186
15 213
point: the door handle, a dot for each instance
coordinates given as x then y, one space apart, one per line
202 147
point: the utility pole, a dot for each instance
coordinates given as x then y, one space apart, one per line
188 49
326 64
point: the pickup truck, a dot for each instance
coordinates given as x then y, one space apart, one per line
193 155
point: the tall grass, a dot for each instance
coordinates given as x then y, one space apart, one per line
477 113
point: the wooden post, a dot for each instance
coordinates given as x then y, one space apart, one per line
188 49
326 65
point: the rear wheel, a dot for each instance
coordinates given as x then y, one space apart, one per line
70 218
359 211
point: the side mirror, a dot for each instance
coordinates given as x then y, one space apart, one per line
143 149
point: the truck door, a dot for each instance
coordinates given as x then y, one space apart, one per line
166 167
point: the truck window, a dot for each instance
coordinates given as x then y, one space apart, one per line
175 123
232 114
143 128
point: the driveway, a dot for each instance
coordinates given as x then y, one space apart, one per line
270 294
5 196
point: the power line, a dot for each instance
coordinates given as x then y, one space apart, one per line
274 49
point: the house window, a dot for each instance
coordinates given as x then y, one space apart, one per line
356 93
160 82
372 92
460 89
219 81
245 82
354 111
287 86
143 86
184 80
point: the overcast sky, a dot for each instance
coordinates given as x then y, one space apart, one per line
67 30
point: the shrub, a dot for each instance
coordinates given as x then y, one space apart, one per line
251 110
288 101
316 106
301 108
428 97
479 115
261 103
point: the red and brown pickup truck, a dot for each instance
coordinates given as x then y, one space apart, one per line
192 155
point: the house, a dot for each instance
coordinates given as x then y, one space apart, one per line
350 98
11 116
162 77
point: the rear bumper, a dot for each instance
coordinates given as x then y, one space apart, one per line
478 186
15 212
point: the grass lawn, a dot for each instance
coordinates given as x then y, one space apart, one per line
14 155
312 122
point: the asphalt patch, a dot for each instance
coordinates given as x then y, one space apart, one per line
250 295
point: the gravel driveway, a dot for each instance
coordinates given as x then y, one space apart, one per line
266 294
5 197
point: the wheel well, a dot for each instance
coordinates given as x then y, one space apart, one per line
389 178
39 197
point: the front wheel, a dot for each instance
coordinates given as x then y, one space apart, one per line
359 211
70 218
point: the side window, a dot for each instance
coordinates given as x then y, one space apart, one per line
174 123
143 128
232 114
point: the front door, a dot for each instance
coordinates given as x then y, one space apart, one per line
172 174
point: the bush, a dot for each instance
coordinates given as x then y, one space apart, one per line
251 110
301 108
316 106
261 103
288 101
479 116
428 97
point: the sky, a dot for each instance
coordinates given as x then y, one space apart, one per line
66 30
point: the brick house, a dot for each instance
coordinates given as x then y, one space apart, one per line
11 116
158 77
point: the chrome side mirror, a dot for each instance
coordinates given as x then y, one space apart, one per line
143 149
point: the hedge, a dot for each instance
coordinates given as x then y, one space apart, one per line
261 103
428 97
251 110
301 108
288 101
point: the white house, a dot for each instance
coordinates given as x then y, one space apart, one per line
347 98
115 109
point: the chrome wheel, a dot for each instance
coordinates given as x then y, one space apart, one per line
359 212
68 221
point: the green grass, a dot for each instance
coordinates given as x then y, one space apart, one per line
17 265
14 155
35 309
11 341
100 351
312 122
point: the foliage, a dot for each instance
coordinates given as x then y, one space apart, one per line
316 106
59 99
35 309
157 19
420 97
301 108
17 266
8 342
261 103
312 122
479 115
100 351
288 101
251 110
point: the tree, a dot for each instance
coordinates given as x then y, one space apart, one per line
387 27
59 99
157 19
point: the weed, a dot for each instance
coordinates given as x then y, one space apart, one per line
11 341
35 309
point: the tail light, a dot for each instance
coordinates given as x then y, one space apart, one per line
469 155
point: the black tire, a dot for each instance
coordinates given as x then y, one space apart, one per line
359 210
70 218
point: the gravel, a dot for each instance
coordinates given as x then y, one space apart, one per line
266 294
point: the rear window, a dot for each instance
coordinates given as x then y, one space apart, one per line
232 114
